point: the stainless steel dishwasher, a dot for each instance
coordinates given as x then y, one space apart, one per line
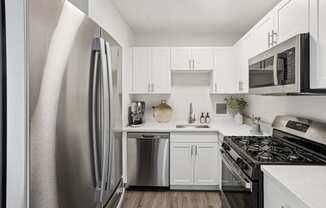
148 160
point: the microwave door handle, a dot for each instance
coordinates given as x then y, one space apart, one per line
275 71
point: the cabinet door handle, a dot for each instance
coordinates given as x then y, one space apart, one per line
152 87
189 63
196 150
240 86
274 40
269 39
193 64
192 151
149 87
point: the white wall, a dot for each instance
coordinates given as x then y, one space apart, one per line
186 88
186 39
313 107
107 16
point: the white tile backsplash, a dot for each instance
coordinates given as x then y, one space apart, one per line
186 88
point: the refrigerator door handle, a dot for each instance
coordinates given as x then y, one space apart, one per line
110 89
105 116
94 124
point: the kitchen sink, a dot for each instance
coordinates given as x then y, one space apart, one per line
193 126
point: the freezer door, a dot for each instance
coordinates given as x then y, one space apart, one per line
114 171
65 163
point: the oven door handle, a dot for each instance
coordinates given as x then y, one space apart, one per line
230 165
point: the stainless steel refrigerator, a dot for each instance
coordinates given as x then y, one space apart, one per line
75 137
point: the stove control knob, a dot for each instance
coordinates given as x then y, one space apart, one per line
242 164
226 147
238 161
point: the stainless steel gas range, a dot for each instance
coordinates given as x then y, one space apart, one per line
295 141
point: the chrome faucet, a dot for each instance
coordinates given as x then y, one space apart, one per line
192 117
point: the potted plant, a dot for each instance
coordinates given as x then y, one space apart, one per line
236 106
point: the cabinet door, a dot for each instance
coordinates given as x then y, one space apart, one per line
180 58
243 53
141 70
261 34
161 70
317 44
181 163
276 196
292 18
225 77
206 164
202 58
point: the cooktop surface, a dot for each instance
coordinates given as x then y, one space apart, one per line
273 150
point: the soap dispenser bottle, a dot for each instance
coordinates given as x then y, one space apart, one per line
202 118
207 118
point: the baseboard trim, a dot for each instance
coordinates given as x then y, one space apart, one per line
195 188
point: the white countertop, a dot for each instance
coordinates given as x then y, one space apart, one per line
307 183
225 126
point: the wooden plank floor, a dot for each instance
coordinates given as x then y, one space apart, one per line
171 199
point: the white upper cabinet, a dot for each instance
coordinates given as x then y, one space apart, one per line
243 52
160 70
202 58
151 70
141 75
192 58
181 58
286 19
262 33
224 79
317 44
291 18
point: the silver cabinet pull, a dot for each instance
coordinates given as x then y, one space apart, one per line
269 39
196 149
240 86
274 38
193 64
152 87
189 63
192 150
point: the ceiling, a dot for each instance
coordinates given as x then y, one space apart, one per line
193 16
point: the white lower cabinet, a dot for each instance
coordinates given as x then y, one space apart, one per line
194 163
182 163
206 163
276 196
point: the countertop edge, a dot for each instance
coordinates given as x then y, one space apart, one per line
265 170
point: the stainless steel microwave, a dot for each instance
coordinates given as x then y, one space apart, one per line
283 69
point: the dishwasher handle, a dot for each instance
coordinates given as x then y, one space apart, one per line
147 136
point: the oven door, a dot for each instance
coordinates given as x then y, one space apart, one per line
238 191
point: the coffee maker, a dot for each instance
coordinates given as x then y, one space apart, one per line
136 112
